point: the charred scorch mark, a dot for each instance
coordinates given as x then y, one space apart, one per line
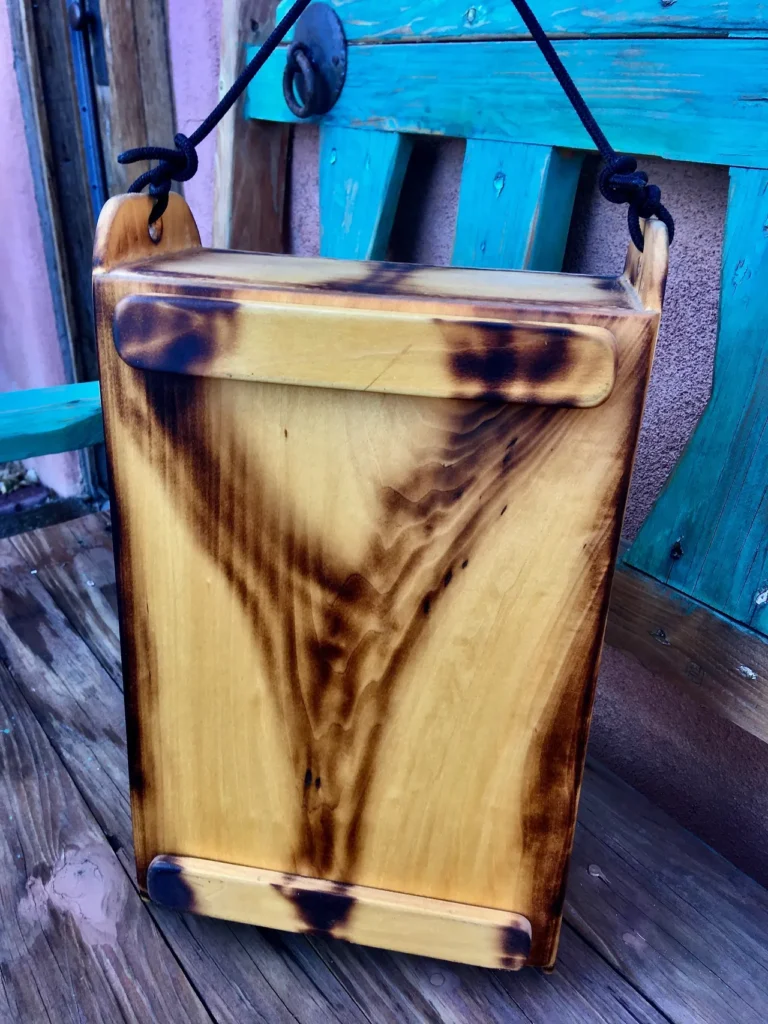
514 946
382 278
336 639
166 884
404 559
555 764
494 355
321 911
139 661
175 334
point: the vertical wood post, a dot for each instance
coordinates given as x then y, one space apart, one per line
251 156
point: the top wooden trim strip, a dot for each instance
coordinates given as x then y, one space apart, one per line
370 21
384 351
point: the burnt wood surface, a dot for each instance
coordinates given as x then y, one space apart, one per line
361 629
658 927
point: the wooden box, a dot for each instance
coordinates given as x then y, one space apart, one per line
365 518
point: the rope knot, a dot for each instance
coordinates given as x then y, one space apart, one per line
621 182
179 164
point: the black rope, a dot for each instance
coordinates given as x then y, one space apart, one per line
180 164
619 181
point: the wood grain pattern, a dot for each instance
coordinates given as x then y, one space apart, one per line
357 913
136 106
75 562
251 157
654 97
636 877
668 911
515 205
80 709
382 350
387 580
721 663
77 943
369 21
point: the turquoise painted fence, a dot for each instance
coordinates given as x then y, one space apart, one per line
703 100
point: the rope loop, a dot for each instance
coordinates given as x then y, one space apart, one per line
178 164
621 182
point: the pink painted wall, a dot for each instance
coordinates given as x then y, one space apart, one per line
30 356
711 775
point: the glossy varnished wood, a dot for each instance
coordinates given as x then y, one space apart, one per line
373 917
361 630
382 350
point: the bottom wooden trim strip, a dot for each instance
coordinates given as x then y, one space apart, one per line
357 913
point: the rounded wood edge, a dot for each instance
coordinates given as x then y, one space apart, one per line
646 271
381 918
122 234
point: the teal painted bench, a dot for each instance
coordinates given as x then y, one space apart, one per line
44 421
685 82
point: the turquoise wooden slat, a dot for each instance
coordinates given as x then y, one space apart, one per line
43 421
361 173
515 206
707 535
686 99
374 21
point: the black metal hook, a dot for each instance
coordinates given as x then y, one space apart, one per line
316 65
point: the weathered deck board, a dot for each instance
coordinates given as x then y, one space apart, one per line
658 926
682 923
77 703
76 942
76 563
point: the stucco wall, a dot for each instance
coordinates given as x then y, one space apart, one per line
30 356
712 776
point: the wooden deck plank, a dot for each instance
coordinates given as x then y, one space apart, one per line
659 926
685 926
76 564
719 662
584 988
78 704
76 942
